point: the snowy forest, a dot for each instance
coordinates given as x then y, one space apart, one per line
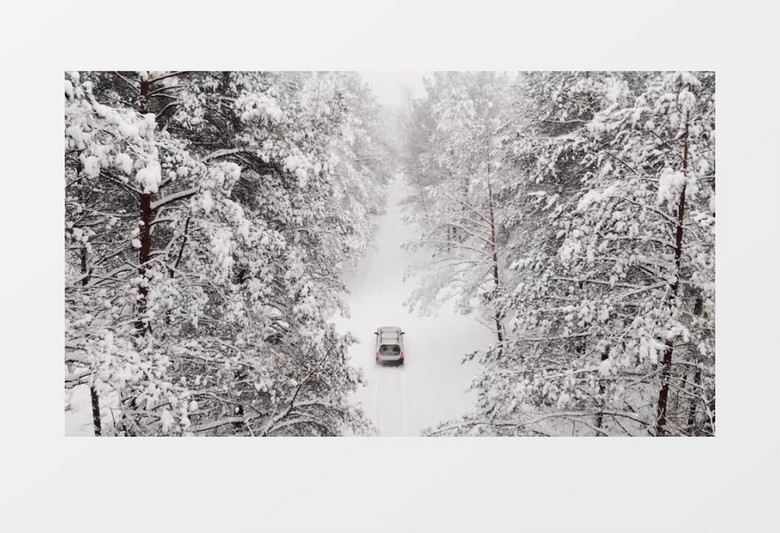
214 222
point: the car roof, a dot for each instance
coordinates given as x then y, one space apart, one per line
388 328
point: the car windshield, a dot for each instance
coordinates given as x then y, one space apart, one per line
389 349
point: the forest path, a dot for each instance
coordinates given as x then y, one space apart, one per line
432 385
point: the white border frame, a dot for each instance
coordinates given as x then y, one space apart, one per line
726 483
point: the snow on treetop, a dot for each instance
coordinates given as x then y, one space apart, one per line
149 177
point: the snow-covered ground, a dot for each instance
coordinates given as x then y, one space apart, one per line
432 385
78 412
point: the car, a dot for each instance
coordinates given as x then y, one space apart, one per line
389 345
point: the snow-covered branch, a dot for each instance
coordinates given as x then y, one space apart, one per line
181 195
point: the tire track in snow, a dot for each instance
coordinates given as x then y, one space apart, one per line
404 407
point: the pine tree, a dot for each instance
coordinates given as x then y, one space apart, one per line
458 208
610 245
216 209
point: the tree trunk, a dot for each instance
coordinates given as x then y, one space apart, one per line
692 407
698 309
96 424
494 250
144 254
602 388
666 370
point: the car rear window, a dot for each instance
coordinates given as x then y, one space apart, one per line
389 349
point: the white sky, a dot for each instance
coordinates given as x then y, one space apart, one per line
391 87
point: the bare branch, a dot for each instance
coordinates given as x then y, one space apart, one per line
129 82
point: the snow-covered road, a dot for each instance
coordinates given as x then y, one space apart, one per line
432 384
